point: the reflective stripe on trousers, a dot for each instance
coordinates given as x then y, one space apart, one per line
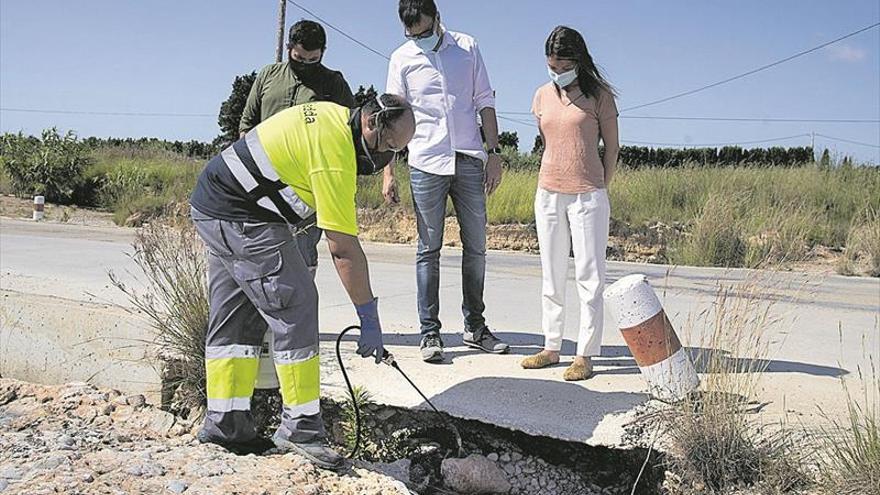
231 372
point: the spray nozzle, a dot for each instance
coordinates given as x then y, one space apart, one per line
388 358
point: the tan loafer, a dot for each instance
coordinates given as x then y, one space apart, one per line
538 361
578 371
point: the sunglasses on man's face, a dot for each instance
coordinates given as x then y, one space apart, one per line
424 34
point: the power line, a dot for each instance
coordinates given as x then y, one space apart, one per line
520 122
753 71
732 143
731 119
343 33
115 114
848 141
753 119
686 93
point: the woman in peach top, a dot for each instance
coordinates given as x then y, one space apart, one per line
574 111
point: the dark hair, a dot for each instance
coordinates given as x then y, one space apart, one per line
307 33
568 44
410 11
388 109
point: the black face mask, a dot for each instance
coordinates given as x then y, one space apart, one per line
305 71
372 161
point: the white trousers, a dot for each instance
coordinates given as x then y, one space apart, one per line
575 223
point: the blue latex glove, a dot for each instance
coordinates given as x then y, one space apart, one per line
370 341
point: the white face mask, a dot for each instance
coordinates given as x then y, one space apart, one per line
564 79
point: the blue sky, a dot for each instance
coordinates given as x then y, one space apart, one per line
168 56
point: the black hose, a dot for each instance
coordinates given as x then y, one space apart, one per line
389 360
354 402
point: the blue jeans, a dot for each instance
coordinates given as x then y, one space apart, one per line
429 194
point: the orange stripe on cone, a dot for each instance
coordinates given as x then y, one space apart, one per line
652 341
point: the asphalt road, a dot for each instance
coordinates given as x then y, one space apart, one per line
821 329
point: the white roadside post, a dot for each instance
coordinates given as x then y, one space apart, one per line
663 361
267 377
39 206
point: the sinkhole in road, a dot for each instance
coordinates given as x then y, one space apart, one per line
411 444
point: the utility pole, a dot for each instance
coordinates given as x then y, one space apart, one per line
282 10
813 144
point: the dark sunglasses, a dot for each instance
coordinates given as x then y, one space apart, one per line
424 34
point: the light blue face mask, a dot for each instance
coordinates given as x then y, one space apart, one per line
564 79
427 44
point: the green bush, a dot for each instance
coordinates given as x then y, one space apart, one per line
140 185
716 238
520 161
51 166
862 254
5 183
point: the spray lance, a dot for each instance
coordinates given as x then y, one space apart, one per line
388 359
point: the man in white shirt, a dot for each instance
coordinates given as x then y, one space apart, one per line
442 75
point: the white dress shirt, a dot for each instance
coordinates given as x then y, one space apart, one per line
447 89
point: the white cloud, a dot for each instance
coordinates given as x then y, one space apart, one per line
846 53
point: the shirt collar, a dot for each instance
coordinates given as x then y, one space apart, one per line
445 39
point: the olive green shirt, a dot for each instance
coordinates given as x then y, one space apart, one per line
278 88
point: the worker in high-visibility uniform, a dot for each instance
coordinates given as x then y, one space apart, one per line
301 162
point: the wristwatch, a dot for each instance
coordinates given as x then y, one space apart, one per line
494 151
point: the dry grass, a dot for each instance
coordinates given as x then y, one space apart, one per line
175 301
740 216
716 445
862 254
725 234
850 445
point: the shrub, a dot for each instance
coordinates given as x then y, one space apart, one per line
714 446
862 254
171 258
51 166
139 185
520 161
5 183
138 210
716 238
850 446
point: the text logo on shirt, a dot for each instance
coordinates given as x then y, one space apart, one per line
310 113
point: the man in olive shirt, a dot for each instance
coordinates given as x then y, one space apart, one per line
302 79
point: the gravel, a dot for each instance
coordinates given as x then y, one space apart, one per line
79 439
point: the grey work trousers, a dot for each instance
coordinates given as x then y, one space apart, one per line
257 277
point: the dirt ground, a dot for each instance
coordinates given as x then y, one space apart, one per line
78 439
397 226
13 207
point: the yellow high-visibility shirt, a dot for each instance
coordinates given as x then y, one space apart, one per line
311 148
298 163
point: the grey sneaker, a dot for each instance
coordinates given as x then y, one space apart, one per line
432 348
317 453
484 340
